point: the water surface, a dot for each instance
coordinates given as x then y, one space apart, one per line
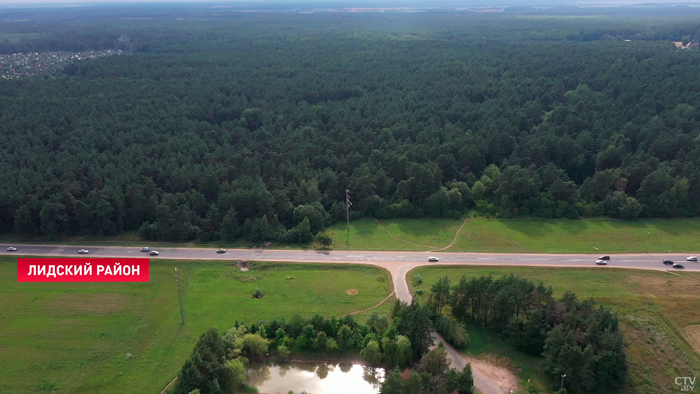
315 378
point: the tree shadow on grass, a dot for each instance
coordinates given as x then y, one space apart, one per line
573 227
621 223
423 230
362 227
656 227
674 227
529 228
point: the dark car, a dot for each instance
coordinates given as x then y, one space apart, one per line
668 262
677 266
601 262
604 258
146 249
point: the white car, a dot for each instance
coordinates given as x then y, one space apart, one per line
83 251
11 249
433 259
601 262
691 258
154 253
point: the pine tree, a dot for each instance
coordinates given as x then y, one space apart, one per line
229 226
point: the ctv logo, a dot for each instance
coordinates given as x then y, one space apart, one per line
686 383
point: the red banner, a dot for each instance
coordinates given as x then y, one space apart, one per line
82 270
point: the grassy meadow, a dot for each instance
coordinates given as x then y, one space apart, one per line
659 313
128 338
524 236
421 234
579 236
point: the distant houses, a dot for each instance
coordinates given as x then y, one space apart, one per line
679 45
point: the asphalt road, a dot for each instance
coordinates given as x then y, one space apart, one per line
397 263
643 261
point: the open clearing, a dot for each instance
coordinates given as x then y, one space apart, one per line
127 337
579 236
422 234
523 236
659 314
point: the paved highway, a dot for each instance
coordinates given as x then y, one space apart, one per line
397 263
644 261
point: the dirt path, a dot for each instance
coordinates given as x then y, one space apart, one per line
401 239
456 235
490 374
433 248
372 307
168 386
488 378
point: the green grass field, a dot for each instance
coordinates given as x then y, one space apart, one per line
659 314
579 236
523 236
127 337
366 234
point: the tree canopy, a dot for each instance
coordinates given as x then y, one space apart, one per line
254 126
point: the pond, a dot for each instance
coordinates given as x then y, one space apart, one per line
315 378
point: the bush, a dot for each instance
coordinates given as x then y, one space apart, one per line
417 280
324 240
258 294
283 352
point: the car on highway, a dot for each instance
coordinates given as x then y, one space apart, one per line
433 259
154 253
691 258
678 266
145 249
601 262
221 251
604 258
668 262
11 249
83 251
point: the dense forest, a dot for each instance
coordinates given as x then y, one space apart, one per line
254 126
